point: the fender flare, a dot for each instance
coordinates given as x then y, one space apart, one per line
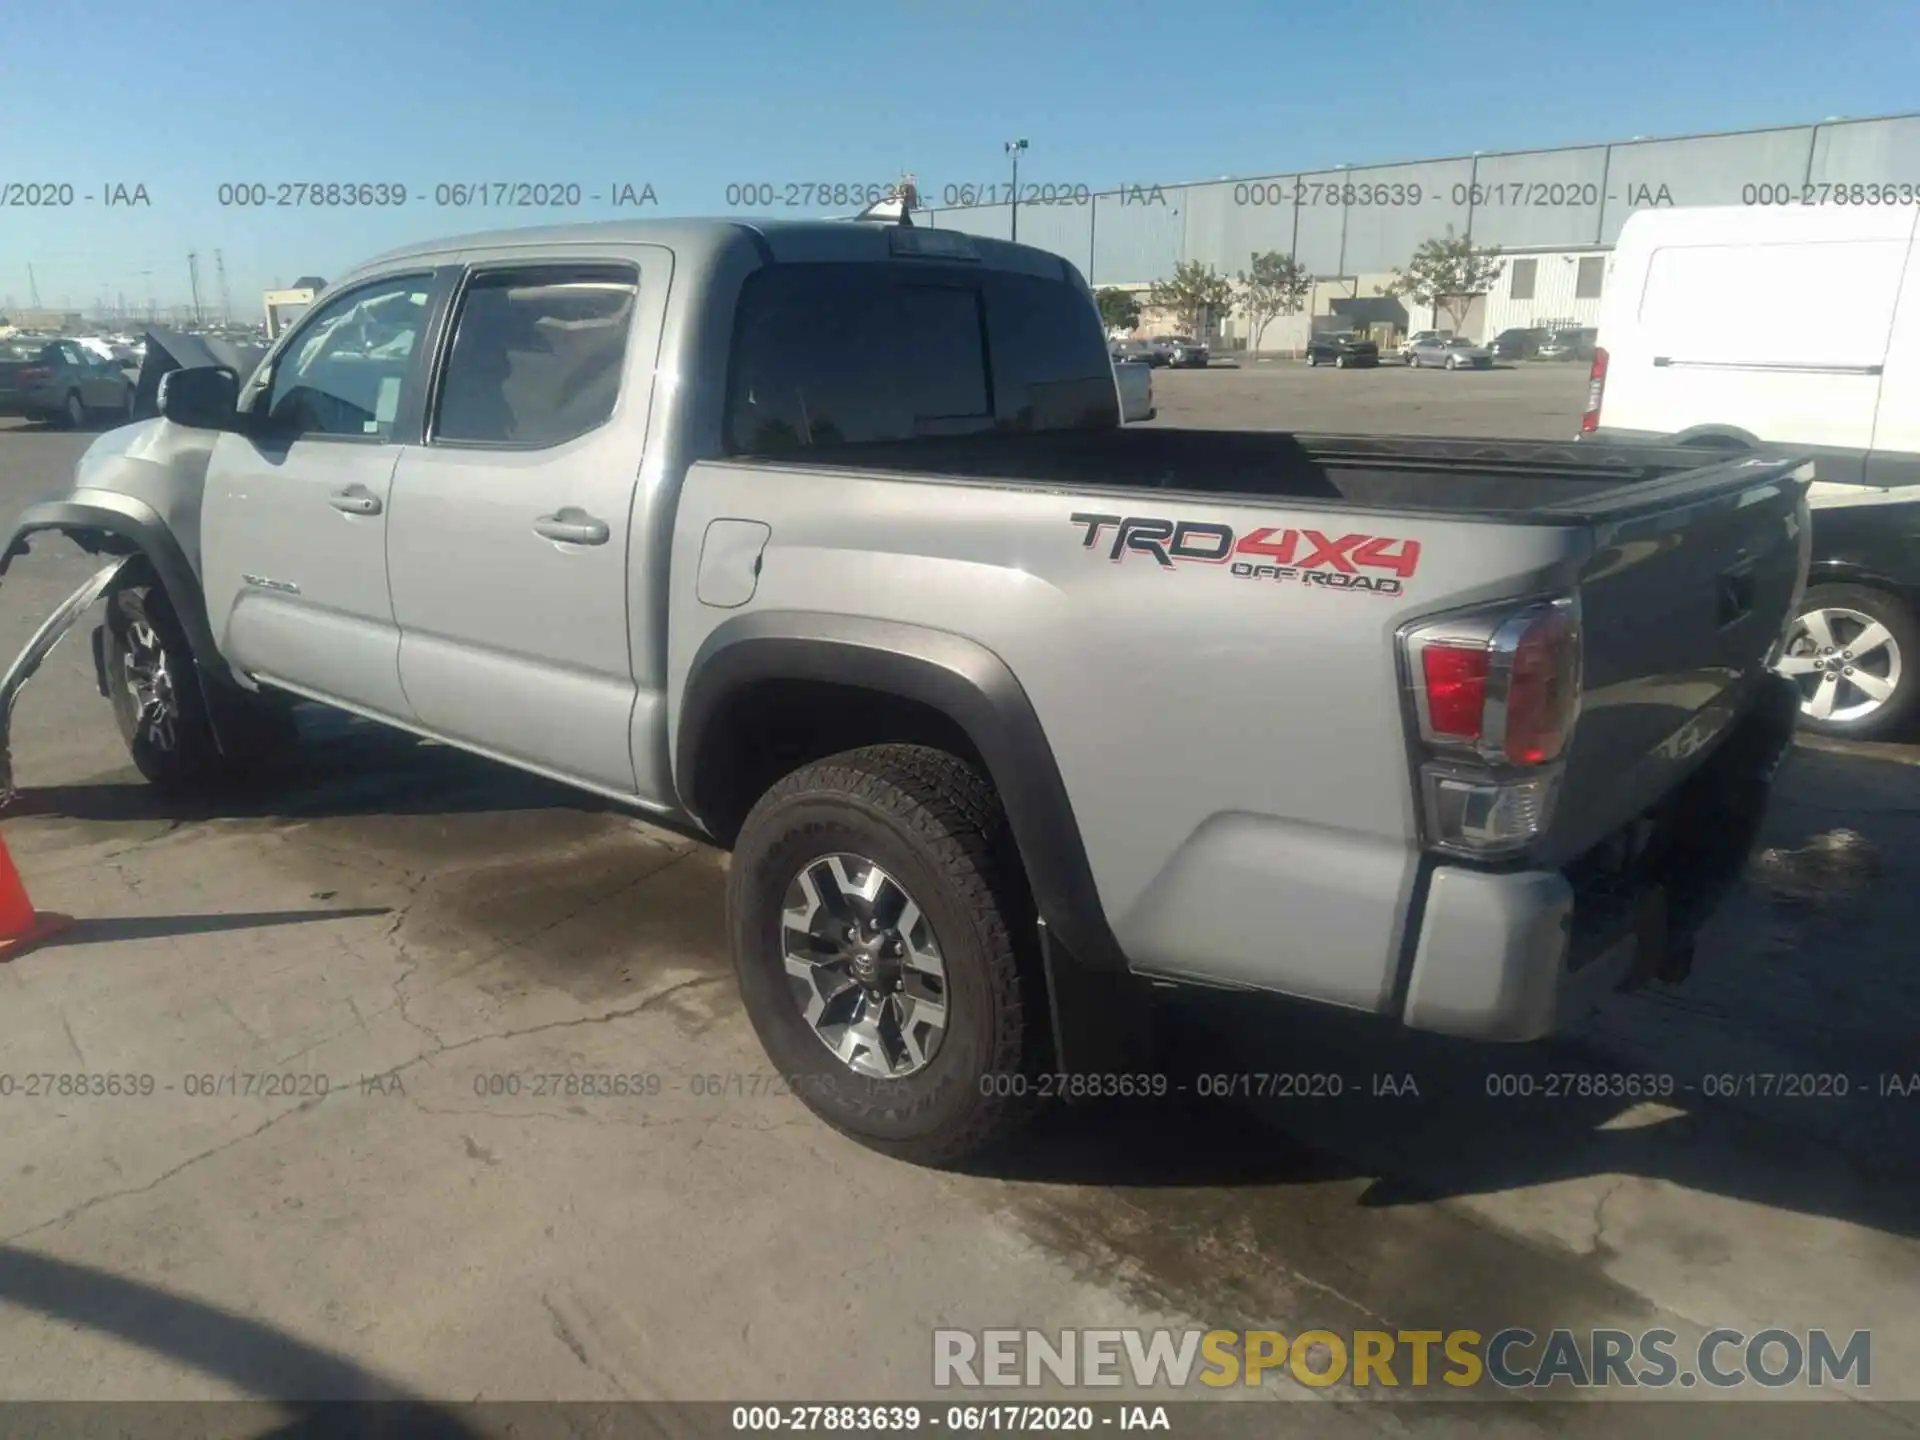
957 677
110 523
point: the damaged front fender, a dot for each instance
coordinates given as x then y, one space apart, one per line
42 645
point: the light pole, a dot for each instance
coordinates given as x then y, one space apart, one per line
1014 149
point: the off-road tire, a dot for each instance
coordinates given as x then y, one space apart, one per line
936 823
255 729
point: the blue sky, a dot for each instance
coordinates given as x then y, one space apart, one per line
691 97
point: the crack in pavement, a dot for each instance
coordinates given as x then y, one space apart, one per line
609 1017
401 1001
564 1333
97 1200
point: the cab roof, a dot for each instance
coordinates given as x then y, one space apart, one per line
698 239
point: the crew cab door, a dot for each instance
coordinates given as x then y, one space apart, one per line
295 512
509 546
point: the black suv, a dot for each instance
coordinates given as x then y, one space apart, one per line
1522 344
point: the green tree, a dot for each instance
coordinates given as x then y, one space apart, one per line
1194 294
1274 285
1447 273
1119 309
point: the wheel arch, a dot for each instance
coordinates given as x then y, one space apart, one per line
1844 570
115 524
874 679
1715 437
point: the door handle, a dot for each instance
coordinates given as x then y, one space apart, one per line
355 500
573 526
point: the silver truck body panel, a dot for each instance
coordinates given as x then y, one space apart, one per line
1234 751
1210 739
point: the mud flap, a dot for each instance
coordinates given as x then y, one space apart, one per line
1102 1018
44 640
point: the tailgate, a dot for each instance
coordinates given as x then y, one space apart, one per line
1686 595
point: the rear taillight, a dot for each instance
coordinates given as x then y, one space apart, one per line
1596 387
1455 678
1496 695
35 375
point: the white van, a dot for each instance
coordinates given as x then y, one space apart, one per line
1795 327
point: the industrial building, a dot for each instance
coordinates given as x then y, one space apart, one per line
1554 215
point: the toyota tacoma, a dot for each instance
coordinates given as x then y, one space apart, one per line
826 538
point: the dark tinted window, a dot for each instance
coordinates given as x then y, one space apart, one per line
1523 275
537 355
848 353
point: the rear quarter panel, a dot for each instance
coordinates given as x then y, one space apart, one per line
1233 748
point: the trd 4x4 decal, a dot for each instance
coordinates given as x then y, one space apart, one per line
1305 557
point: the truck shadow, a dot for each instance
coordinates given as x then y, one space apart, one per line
1784 1073
343 766
248 1355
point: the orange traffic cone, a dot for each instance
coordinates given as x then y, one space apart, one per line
21 927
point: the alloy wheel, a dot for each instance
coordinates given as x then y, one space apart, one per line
1846 663
149 678
864 966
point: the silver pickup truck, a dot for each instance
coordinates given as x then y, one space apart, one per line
825 538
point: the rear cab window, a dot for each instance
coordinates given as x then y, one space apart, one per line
852 353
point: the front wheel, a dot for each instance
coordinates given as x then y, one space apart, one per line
1452 363
161 709
73 411
879 919
1339 362
1852 652
1313 362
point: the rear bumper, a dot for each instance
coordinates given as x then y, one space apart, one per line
1515 955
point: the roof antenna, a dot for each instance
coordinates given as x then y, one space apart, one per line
897 205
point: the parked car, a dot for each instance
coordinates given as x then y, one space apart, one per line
1123 351
1684 357
1521 344
1135 381
1456 353
1422 337
1342 350
1185 353
1159 350
61 381
1568 345
959 854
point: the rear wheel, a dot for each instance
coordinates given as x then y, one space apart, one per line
162 712
1313 361
878 919
1339 362
1852 651
73 411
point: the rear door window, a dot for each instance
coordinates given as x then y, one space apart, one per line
537 355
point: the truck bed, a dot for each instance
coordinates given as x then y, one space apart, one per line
1546 481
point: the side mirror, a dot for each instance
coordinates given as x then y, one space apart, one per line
203 397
